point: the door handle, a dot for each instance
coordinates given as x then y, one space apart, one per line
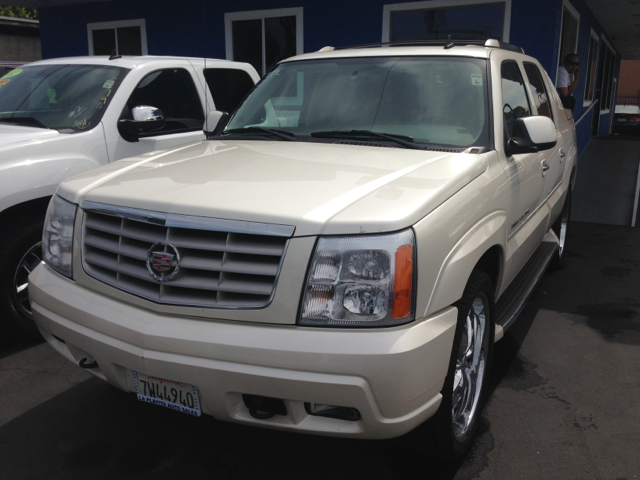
562 155
545 167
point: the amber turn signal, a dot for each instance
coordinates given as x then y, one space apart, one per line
403 282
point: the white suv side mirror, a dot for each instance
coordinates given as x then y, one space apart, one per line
215 122
531 135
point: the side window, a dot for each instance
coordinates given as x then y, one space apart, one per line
514 97
173 92
228 87
538 90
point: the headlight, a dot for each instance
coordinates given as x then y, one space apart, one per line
361 281
57 238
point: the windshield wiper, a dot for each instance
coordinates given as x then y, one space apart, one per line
24 121
403 140
261 130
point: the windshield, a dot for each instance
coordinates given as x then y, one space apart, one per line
68 98
430 100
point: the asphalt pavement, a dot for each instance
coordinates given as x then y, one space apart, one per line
565 391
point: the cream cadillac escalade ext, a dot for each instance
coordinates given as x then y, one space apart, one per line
338 257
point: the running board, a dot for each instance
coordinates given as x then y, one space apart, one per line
515 297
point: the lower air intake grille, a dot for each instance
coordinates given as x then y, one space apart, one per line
220 263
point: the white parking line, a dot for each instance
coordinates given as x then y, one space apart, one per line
635 201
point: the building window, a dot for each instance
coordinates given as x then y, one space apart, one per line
592 63
437 19
263 38
569 32
606 63
126 37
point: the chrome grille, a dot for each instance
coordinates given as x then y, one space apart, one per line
223 263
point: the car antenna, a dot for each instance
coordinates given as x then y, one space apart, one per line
204 72
114 55
449 44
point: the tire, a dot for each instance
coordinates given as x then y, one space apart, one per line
453 427
560 228
23 253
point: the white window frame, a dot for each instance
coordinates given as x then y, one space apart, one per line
613 79
230 17
594 35
139 22
572 10
387 10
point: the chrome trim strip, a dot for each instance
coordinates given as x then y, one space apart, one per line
192 222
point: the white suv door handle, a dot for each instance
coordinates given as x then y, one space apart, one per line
545 167
562 155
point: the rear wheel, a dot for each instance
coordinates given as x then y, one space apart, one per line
22 250
463 395
560 228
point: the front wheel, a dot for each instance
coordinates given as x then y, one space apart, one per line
463 394
21 249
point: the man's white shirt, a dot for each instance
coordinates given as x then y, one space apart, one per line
564 79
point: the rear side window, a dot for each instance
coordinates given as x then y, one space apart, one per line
514 97
173 92
538 90
228 87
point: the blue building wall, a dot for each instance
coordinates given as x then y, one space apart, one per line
193 29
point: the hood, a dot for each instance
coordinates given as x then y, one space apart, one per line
319 188
13 136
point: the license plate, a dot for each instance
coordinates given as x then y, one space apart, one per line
622 120
167 393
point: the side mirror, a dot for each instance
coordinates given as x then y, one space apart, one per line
215 123
145 119
531 135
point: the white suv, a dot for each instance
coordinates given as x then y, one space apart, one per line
338 260
64 116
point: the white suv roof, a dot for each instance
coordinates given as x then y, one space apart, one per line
462 48
628 109
133 61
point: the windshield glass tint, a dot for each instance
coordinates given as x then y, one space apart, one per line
62 97
434 100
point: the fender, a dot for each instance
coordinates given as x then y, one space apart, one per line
34 170
19 185
458 264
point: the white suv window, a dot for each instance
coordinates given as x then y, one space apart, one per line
515 103
538 90
173 92
433 100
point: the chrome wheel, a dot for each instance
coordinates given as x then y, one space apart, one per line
563 224
560 228
28 262
470 367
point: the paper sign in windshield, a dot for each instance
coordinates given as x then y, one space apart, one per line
476 79
13 73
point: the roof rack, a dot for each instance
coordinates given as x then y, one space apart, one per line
446 43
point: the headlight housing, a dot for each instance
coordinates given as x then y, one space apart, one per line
361 281
57 237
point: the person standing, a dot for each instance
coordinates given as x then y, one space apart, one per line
568 76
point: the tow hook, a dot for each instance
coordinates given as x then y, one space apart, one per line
264 408
84 363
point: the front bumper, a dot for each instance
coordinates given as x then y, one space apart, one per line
392 376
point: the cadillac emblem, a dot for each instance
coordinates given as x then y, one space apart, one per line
163 261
